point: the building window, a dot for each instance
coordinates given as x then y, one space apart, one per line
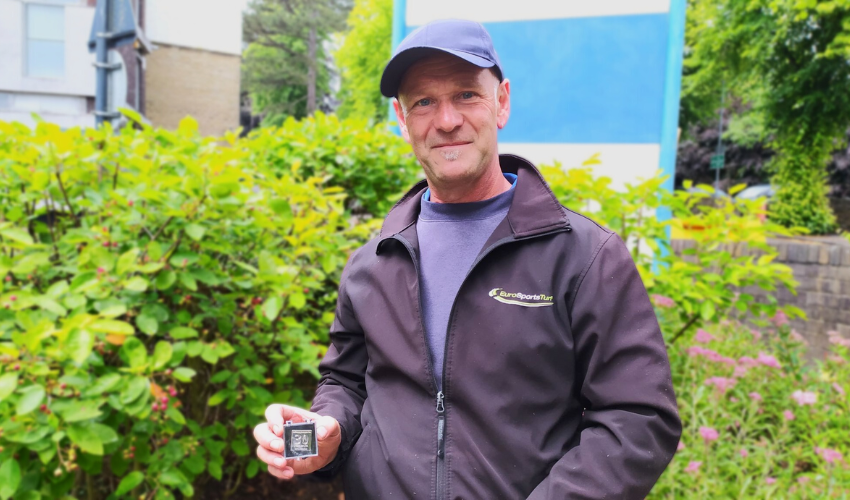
45 40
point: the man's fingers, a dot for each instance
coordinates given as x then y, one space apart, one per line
286 473
277 415
266 439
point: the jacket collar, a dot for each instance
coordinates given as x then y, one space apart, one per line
534 209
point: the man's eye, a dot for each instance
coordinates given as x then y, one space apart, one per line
423 102
467 95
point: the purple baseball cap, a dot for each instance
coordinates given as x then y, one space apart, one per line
467 40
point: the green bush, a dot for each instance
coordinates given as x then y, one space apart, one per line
705 284
157 292
372 165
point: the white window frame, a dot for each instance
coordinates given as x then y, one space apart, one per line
26 35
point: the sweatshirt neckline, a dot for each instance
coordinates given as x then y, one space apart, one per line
476 210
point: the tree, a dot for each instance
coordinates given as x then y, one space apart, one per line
362 57
286 68
789 58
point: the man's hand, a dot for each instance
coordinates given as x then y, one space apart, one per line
270 436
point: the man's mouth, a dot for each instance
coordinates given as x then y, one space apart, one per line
452 144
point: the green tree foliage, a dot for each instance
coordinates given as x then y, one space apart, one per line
362 57
286 68
789 58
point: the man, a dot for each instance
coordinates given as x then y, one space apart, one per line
489 343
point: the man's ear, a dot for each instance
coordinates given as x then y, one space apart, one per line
504 103
402 122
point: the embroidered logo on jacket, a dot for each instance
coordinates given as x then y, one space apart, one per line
521 299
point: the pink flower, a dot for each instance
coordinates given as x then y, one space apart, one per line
703 337
680 446
805 398
768 360
770 480
788 414
756 334
723 384
740 371
708 434
838 388
747 361
780 318
693 466
829 455
755 396
744 453
803 479
662 301
795 335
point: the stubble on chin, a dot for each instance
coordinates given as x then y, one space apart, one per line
451 155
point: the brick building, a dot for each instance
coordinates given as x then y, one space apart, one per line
185 60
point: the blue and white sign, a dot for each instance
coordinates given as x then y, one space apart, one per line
586 77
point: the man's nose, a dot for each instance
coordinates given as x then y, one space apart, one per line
448 118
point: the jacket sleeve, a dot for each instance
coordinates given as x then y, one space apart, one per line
630 427
341 391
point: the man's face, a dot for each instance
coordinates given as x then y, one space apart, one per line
450 111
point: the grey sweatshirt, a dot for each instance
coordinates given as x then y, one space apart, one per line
450 237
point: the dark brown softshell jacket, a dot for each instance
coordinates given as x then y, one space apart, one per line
570 400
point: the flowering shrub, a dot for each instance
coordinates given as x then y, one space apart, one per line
157 291
757 422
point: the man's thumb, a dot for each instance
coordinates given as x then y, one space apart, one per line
327 427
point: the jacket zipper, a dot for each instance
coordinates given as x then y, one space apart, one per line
441 398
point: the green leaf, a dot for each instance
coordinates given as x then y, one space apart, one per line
215 469
136 284
240 448
8 384
51 305
707 310
175 415
105 433
130 482
165 280
188 281
10 478
113 326
79 345
31 397
182 332
86 438
161 354
147 324
219 397
114 311
195 231
103 384
272 307
297 300
151 267
17 234
77 411
252 468
126 261
184 374
134 389
134 352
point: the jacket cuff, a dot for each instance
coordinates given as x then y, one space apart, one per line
332 469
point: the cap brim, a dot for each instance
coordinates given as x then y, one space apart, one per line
398 65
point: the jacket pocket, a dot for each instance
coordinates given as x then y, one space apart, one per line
357 473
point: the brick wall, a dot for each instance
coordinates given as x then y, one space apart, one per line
821 266
181 81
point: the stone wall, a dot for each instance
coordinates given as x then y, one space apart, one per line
821 266
205 85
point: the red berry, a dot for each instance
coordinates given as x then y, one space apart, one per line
168 371
115 244
130 203
164 440
100 270
164 399
306 290
131 455
13 298
172 392
16 367
132 448
106 244
154 407
8 277
43 407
